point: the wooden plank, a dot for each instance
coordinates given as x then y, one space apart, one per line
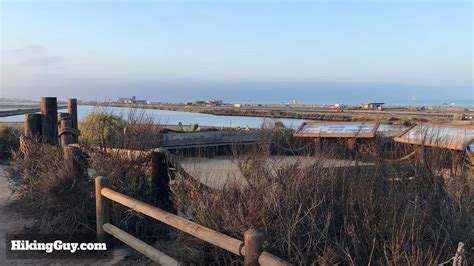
201 139
218 239
140 246
49 109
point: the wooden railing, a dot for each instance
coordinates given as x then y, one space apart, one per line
251 248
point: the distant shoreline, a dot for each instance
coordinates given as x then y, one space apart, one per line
26 110
388 115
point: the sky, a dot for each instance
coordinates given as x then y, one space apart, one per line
249 51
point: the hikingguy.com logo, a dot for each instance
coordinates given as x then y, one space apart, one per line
57 245
26 246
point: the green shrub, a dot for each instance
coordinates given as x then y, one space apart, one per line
100 128
279 124
458 117
9 141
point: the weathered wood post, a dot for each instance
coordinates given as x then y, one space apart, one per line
31 131
253 246
32 126
62 116
76 159
160 181
49 110
72 110
65 129
66 137
101 208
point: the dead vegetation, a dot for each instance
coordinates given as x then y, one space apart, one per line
410 212
61 199
390 213
51 190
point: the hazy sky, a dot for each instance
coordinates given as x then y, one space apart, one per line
312 51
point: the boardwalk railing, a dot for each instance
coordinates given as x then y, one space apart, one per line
251 248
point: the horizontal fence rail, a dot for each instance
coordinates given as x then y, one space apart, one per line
137 244
206 234
251 248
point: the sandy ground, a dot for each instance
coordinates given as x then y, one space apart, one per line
220 171
12 221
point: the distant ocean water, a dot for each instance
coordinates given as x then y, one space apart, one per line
464 103
388 102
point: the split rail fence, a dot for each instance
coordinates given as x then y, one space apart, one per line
251 248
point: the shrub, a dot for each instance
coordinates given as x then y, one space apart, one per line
313 214
9 141
279 124
458 117
61 198
51 190
130 176
101 128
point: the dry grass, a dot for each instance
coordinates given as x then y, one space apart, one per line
51 190
314 214
62 199
411 212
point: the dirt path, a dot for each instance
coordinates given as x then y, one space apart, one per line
12 221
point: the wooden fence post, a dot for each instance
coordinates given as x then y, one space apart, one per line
66 137
72 110
160 181
32 126
253 246
49 110
74 157
101 208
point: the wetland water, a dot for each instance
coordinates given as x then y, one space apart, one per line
186 118
174 117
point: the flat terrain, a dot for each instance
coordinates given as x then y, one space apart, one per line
395 114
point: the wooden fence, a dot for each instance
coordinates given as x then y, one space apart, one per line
207 139
251 248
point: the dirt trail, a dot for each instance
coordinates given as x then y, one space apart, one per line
12 221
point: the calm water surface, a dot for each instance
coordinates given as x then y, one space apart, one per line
186 118
174 117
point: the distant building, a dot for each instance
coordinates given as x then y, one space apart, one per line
237 105
131 100
373 106
209 102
